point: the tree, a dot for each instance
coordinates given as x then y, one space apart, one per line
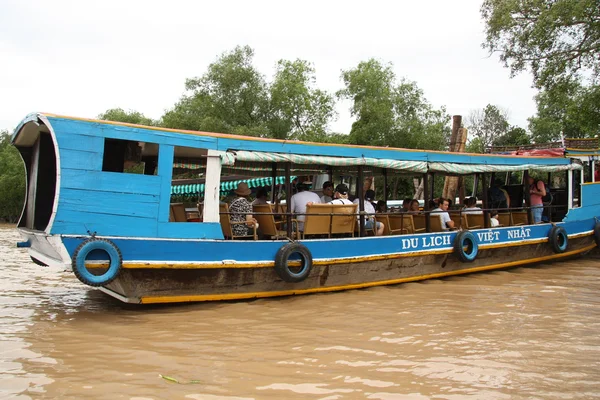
486 126
298 109
391 114
12 180
131 117
567 109
555 39
231 97
515 136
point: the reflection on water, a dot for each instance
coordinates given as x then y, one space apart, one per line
519 334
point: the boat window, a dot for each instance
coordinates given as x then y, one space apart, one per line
187 186
130 157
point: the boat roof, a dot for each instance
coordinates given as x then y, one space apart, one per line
237 150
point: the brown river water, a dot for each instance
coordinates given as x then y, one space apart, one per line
524 333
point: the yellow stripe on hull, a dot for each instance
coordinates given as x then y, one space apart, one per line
252 295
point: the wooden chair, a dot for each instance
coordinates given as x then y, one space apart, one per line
459 220
226 224
317 220
402 223
475 221
504 219
343 224
177 212
266 220
419 221
435 223
519 218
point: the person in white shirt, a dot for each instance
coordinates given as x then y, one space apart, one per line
340 195
370 210
494 218
471 206
299 200
327 192
442 212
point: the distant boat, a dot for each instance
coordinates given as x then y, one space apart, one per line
99 202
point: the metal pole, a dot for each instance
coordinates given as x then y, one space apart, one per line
426 202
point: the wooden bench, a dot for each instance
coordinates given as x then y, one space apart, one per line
320 219
226 224
475 221
401 224
504 219
177 213
519 218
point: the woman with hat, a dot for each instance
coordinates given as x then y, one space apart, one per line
241 210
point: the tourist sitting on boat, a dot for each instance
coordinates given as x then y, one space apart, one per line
241 210
494 218
471 206
414 207
406 205
299 201
537 190
442 212
327 192
340 195
381 207
370 211
261 197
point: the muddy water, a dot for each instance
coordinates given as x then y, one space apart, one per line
518 334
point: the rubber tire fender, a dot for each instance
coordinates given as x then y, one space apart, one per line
558 239
466 239
281 262
81 253
597 233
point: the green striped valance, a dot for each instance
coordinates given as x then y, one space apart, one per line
194 189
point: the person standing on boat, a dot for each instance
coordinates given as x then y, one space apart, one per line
327 192
442 212
241 210
537 190
299 201
370 211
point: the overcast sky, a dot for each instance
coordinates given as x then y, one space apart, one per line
80 58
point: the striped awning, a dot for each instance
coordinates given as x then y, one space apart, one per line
465 169
264 159
194 189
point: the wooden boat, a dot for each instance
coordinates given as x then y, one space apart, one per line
99 202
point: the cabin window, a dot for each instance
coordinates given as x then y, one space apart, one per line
130 157
187 185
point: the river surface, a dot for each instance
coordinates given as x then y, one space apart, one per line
524 333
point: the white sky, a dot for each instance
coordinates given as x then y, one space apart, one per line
80 58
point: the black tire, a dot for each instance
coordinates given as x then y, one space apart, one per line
466 247
597 233
558 239
281 262
84 249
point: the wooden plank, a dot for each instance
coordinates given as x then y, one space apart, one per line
111 181
79 159
109 203
80 222
165 172
72 141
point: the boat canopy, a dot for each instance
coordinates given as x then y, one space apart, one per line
252 161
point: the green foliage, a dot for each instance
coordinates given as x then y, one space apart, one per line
555 39
486 126
569 108
233 97
12 180
131 117
298 109
515 136
391 114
